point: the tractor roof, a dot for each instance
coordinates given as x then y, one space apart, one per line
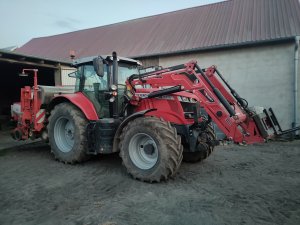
90 59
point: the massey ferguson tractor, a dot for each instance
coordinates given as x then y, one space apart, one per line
153 119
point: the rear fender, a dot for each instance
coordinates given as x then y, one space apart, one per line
79 100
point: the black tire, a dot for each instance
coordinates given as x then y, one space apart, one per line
165 156
67 133
206 149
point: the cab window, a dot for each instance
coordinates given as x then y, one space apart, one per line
92 80
124 71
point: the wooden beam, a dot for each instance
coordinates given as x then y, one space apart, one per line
28 63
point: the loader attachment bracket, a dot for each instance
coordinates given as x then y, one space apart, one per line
269 126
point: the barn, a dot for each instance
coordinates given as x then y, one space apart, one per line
254 43
12 64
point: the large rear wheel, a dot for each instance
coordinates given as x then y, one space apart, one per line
151 149
67 133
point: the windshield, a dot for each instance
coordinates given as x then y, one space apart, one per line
125 71
92 79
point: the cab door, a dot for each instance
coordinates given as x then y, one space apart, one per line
95 89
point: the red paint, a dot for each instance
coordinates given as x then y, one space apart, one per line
29 120
240 128
83 103
30 105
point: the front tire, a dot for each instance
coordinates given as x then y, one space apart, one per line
67 133
150 149
204 147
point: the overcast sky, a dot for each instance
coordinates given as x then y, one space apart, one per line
22 20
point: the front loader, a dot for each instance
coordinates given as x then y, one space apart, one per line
153 119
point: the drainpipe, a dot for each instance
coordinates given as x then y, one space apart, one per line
295 123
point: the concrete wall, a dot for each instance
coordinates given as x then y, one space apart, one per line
65 79
263 75
147 62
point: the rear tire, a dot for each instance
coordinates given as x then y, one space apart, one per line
206 149
150 149
67 133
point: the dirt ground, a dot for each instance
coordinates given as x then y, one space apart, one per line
257 184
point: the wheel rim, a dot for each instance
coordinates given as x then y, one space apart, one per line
143 151
64 134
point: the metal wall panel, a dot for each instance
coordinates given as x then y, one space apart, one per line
65 79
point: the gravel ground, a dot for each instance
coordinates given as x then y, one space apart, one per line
258 184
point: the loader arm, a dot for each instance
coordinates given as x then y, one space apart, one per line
223 105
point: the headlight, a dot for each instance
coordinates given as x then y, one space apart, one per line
113 87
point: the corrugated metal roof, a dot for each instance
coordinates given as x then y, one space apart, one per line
232 22
20 58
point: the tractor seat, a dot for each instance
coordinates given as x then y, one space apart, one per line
47 93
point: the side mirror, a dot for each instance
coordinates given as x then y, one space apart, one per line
99 66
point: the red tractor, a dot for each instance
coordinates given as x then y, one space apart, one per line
153 119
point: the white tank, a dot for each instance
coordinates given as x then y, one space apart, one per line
15 110
47 93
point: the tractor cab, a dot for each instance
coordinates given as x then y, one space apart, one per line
102 80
